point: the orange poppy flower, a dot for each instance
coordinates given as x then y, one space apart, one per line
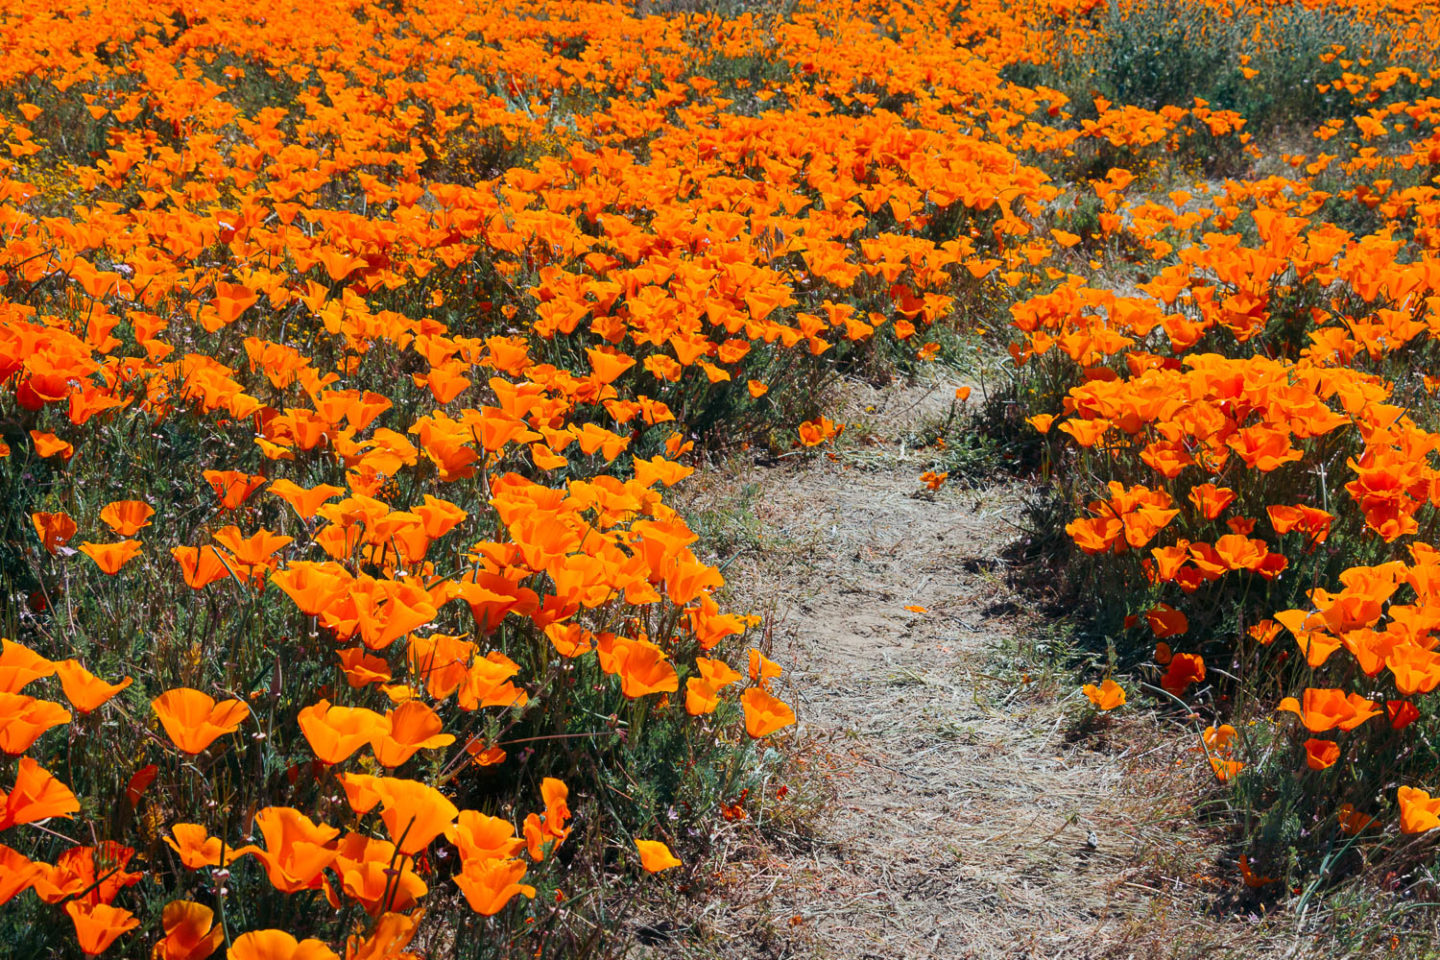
1416 669
98 925
549 827
1351 820
201 566
411 727
194 720
94 874
1165 621
570 639
414 813
387 939
764 714
17 874
85 691
197 849
479 837
372 874
36 796
655 856
1211 500
762 668
1418 812
489 885
1328 709
1402 713
1184 669
190 932
361 668
110 557
1107 696
54 530
1251 878
233 487
642 668
277 945
20 666
305 501
701 696
1321 754
297 849
334 733
127 517
23 719
49 445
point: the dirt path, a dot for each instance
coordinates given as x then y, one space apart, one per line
959 823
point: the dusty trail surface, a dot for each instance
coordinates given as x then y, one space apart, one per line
957 820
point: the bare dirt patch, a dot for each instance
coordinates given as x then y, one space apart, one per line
961 814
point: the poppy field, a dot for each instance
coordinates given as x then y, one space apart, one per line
349 354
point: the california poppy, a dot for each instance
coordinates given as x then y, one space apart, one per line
85 691
111 557
127 517
20 666
409 728
98 925
1321 754
1107 696
190 932
194 720
197 849
23 719
764 714
277 945
200 566
489 885
414 813
1418 811
655 856
233 487
297 849
1328 709
17 873
54 530
548 827
36 795
479 837
1184 669
374 875
334 733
